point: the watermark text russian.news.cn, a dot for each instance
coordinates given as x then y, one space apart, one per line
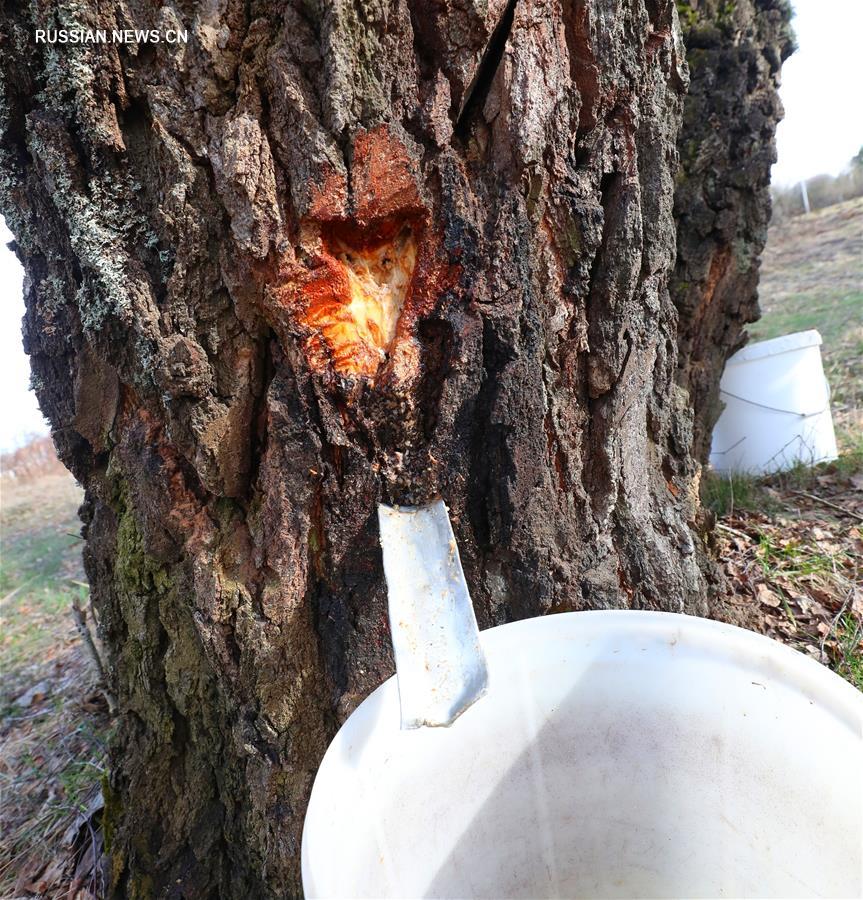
111 36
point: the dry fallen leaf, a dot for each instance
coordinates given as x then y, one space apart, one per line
822 595
764 595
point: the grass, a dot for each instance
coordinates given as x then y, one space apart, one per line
785 552
53 762
828 311
792 558
725 496
40 572
850 662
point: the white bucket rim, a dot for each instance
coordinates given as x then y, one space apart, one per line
721 639
718 640
786 343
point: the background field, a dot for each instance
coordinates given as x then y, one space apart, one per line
790 548
812 277
53 717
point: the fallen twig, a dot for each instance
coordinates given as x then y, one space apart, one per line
83 629
829 503
742 534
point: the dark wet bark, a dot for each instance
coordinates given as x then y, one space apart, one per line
722 197
191 219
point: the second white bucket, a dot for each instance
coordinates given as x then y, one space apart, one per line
777 408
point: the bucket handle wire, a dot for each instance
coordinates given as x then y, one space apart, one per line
728 449
789 412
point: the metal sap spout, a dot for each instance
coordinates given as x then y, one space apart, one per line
439 662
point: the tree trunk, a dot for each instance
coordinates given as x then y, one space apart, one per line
324 255
722 200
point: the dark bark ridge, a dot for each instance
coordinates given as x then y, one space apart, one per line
191 219
722 200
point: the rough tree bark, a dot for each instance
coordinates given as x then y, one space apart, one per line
722 201
329 253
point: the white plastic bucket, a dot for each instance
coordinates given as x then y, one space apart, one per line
617 754
777 408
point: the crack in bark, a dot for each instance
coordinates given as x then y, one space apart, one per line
485 72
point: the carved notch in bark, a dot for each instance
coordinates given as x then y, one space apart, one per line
366 269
